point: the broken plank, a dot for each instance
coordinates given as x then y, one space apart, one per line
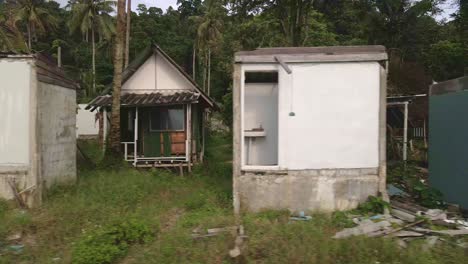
222 229
458 232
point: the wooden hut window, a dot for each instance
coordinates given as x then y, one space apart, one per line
167 119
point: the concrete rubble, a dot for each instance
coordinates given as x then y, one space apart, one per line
365 227
408 221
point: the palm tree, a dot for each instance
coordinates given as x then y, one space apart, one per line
208 36
127 34
93 16
34 15
113 148
11 38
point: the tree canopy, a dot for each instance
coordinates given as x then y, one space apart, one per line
203 35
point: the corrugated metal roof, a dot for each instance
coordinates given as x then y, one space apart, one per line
147 99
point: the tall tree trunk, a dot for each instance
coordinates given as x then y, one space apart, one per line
113 148
204 71
194 61
59 56
28 27
94 59
127 35
209 71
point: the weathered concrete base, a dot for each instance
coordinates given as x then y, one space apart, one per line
306 190
29 192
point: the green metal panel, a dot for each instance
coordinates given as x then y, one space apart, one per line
448 145
152 142
167 144
196 127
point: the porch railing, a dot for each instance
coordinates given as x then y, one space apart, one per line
126 150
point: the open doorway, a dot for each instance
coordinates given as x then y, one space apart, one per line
260 121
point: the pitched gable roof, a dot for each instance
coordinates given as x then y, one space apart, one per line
144 56
47 70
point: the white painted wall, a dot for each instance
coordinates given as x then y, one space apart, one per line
336 107
168 77
261 109
86 122
14 111
156 73
336 112
143 79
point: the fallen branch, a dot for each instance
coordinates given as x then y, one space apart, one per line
401 228
18 198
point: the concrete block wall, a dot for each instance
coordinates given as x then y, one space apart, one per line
57 134
322 190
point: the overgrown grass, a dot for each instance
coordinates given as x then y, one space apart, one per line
169 207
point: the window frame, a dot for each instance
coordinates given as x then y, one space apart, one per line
183 108
280 163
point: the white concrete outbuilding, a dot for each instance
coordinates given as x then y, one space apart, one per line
309 127
37 127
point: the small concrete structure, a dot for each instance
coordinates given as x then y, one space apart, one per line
37 127
309 127
87 125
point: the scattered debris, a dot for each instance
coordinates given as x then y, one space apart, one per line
402 243
16 193
392 190
409 221
301 217
396 221
14 237
197 232
404 233
222 229
458 232
365 227
461 224
431 241
403 215
236 251
17 249
407 206
435 214
402 228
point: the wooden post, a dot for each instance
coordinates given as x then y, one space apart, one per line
383 136
135 137
405 134
203 124
237 141
104 130
189 137
59 57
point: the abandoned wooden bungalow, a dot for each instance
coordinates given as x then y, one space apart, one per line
163 112
37 131
309 127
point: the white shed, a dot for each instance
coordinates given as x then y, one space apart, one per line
37 131
309 127
87 125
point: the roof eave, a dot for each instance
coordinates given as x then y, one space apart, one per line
322 57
